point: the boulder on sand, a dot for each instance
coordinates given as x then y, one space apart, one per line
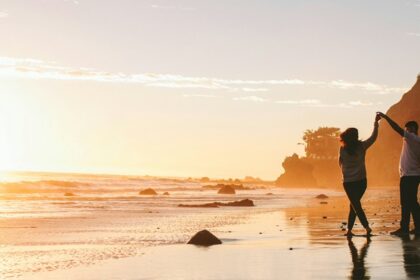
165 193
204 238
204 205
226 190
148 191
244 203
321 196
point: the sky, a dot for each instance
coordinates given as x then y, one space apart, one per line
214 88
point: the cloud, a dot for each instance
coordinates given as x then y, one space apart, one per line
362 104
367 86
4 14
413 33
250 98
201 95
168 7
299 102
37 69
255 89
75 2
318 104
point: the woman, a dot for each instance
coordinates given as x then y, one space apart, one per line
352 163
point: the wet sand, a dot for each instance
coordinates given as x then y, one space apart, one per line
304 242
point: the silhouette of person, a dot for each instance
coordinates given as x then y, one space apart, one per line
353 168
410 175
411 255
359 270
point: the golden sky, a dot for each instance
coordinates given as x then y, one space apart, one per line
193 88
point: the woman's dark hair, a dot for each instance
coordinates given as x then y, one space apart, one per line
350 140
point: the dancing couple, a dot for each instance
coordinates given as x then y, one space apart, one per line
352 163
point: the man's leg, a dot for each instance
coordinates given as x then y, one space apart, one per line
413 205
405 211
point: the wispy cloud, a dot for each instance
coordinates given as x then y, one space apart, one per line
318 104
299 102
38 69
4 14
255 89
170 7
201 95
75 2
413 34
252 98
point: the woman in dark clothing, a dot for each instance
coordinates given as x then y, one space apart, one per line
352 163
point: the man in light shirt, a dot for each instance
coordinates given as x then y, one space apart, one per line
410 175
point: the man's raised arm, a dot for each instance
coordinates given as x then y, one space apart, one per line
393 124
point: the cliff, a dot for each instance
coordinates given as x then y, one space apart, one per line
383 157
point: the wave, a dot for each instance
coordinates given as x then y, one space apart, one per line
43 186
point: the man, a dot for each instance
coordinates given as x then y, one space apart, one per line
410 175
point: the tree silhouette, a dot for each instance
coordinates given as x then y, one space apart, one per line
322 143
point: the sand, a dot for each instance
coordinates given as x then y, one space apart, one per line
304 242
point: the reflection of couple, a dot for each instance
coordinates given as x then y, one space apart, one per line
411 257
352 163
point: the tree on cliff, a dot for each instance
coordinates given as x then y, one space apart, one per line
321 143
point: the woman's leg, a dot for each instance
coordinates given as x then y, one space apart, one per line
350 191
355 191
351 219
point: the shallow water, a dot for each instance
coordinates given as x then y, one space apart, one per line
106 219
108 231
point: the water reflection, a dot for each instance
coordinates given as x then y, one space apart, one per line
411 255
359 270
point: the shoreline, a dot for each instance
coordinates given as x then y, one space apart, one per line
298 240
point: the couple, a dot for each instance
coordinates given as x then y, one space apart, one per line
352 163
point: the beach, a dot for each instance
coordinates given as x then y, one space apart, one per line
289 234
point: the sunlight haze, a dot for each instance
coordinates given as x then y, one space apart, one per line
193 88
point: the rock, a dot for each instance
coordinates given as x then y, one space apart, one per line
165 193
234 186
382 159
239 203
243 202
269 193
205 205
148 191
204 238
226 190
323 202
69 194
322 196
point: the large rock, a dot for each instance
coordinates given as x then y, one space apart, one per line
148 191
204 238
243 202
383 158
226 190
239 203
322 196
204 205
298 172
219 186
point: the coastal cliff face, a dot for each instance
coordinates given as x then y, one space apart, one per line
383 157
